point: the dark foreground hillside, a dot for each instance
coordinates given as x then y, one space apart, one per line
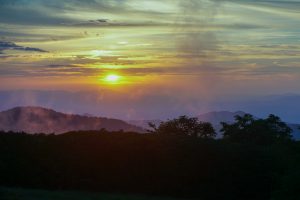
29 194
150 164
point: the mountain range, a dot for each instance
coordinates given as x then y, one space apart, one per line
118 105
42 120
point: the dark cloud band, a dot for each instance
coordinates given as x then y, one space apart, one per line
12 46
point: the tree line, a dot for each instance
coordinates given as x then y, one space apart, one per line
244 129
256 160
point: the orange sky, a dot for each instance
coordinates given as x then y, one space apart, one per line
195 48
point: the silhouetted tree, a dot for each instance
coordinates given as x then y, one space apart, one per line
184 125
263 131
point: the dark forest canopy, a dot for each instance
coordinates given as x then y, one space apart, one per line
183 125
245 129
262 131
256 159
151 164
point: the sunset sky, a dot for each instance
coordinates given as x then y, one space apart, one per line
187 54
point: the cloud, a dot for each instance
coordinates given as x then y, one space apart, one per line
62 12
288 4
99 21
12 46
108 23
26 15
197 42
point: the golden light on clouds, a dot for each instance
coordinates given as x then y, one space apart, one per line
98 53
112 78
142 43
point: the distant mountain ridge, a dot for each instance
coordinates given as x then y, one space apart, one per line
213 117
43 120
221 116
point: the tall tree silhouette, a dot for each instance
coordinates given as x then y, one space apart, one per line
263 131
183 125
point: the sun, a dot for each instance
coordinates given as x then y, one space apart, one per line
112 78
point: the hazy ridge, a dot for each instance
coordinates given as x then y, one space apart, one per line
42 120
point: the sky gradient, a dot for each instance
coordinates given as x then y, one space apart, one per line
184 53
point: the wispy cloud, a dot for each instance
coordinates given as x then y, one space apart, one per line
203 39
12 46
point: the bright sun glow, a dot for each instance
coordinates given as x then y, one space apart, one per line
112 78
